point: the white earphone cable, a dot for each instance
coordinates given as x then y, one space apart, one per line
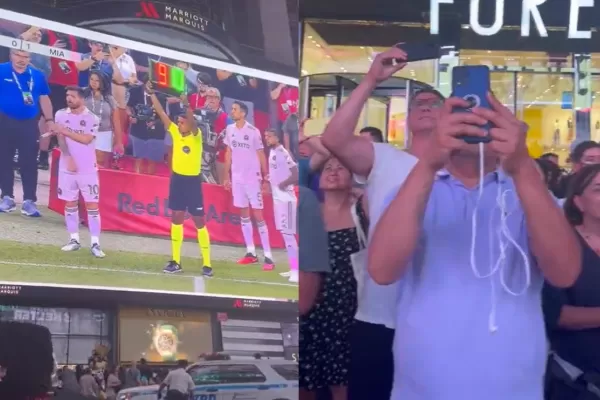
504 237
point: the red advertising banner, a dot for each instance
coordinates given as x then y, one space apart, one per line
138 204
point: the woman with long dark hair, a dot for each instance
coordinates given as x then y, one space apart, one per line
324 344
100 102
573 315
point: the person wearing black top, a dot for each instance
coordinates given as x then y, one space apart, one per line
585 153
147 134
573 315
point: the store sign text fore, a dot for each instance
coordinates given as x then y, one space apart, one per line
529 11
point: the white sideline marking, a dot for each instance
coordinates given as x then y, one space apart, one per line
17 263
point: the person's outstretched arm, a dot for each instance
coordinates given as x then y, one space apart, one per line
356 152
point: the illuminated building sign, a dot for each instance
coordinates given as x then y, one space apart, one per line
529 13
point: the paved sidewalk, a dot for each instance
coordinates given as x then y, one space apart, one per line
50 230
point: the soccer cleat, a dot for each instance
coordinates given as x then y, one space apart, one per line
293 277
207 271
269 265
73 245
97 251
7 204
249 258
29 209
286 274
172 267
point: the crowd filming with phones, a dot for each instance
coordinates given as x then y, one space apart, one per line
458 268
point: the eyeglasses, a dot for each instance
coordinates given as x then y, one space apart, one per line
429 103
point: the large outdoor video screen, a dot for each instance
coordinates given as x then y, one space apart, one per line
123 210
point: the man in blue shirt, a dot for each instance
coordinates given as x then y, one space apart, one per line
471 254
96 60
23 93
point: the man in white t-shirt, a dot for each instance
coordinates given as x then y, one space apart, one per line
126 66
381 168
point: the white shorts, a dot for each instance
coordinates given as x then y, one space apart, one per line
285 216
70 185
247 194
104 141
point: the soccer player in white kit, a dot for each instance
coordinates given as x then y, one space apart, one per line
283 175
76 129
245 159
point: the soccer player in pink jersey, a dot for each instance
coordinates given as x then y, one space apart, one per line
283 175
76 129
246 160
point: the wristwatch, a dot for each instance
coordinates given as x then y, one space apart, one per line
165 341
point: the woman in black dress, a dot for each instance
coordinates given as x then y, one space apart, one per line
572 315
324 346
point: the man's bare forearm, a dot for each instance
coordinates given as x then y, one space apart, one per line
189 115
316 145
576 318
85 64
46 106
117 77
552 239
293 178
227 162
397 233
62 144
263 162
117 129
78 137
355 152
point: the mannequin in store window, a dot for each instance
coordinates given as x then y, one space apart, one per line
556 137
570 130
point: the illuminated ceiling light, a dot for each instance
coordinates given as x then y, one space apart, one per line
362 47
304 72
310 37
318 45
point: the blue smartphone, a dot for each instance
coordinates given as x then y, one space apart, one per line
472 83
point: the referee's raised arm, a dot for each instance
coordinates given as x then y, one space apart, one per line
158 108
189 115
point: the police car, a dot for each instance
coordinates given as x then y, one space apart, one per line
233 379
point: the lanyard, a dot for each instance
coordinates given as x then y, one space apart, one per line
29 83
99 113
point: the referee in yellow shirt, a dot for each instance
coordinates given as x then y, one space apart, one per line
185 187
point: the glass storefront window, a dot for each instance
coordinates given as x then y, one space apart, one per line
595 111
528 59
163 335
319 57
75 332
